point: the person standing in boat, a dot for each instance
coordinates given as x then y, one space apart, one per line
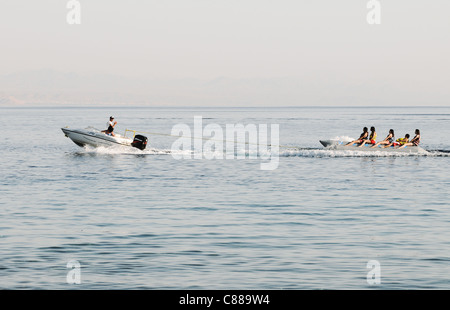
110 125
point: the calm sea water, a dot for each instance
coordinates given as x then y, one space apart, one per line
138 220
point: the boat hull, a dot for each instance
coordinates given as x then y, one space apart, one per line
95 138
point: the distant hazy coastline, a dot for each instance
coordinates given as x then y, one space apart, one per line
54 88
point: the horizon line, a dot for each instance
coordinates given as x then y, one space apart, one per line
25 106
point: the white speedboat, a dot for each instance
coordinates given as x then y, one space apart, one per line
94 137
341 146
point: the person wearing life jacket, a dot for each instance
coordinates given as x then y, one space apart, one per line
414 141
372 137
362 137
388 140
399 141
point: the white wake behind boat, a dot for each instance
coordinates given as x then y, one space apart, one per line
96 138
341 145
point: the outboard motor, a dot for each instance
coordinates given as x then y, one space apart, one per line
139 142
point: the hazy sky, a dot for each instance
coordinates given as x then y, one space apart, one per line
319 40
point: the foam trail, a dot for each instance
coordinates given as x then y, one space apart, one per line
123 150
343 138
286 152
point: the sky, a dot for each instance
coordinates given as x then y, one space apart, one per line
274 46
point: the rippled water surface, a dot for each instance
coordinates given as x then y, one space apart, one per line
137 219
